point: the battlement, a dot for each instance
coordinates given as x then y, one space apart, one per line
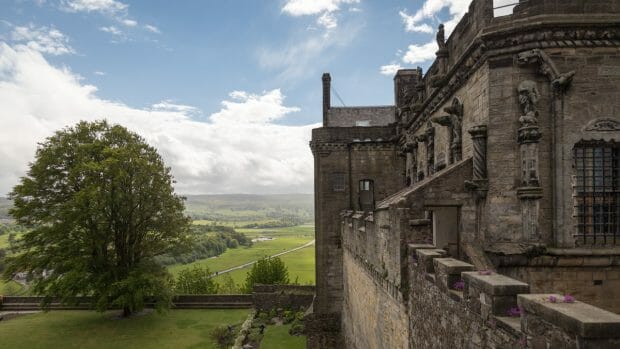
487 309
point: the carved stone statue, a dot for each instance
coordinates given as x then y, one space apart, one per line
454 120
528 98
441 37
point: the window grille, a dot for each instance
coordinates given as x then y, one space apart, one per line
597 191
338 182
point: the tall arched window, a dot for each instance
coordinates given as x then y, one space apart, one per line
597 191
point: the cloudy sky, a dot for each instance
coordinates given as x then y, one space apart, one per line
226 90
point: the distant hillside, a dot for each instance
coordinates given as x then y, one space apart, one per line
236 207
5 204
246 207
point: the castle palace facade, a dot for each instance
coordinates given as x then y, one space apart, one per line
482 209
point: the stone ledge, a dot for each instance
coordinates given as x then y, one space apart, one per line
451 266
495 284
425 258
448 271
581 318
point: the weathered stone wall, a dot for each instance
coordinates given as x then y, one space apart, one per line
10 303
371 318
360 116
267 297
592 279
355 153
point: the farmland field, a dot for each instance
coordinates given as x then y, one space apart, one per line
284 239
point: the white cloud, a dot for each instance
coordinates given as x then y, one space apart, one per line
169 106
313 7
103 6
424 20
300 57
411 26
390 69
327 20
240 149
112 30
431 8
129 22
114 9
43 39
420 53
325 8
99 73
152 28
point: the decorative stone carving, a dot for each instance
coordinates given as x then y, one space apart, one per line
442 57
441 37
559 81
411 151
430 149
603 125
479 184
454 120
528 98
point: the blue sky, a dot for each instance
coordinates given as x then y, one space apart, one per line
228 91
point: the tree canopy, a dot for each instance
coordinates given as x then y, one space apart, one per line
101 204
266 271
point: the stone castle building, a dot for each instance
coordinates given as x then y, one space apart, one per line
460 216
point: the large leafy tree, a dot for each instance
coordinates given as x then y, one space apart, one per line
267 270
102 206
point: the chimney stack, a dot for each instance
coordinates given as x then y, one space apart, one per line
327 80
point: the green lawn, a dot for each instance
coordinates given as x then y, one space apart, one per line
175 329
277 337
299 263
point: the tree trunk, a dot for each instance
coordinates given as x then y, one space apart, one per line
126 311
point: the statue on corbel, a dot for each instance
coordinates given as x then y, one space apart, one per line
454 121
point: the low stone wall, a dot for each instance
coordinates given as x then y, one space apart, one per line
451 305
267 297
8 303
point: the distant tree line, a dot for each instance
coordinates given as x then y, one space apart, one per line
208 241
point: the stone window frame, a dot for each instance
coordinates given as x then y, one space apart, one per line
596 192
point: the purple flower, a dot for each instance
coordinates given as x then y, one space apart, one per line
514 312
553 299
569 299
459 285
485 272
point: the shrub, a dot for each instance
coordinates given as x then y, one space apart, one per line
223 336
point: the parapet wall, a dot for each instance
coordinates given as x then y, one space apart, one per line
267 297
211 301
451 305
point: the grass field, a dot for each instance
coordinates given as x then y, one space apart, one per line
277 337
175 329
12 288
236 256
300 265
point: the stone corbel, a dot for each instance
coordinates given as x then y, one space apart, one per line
560 82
